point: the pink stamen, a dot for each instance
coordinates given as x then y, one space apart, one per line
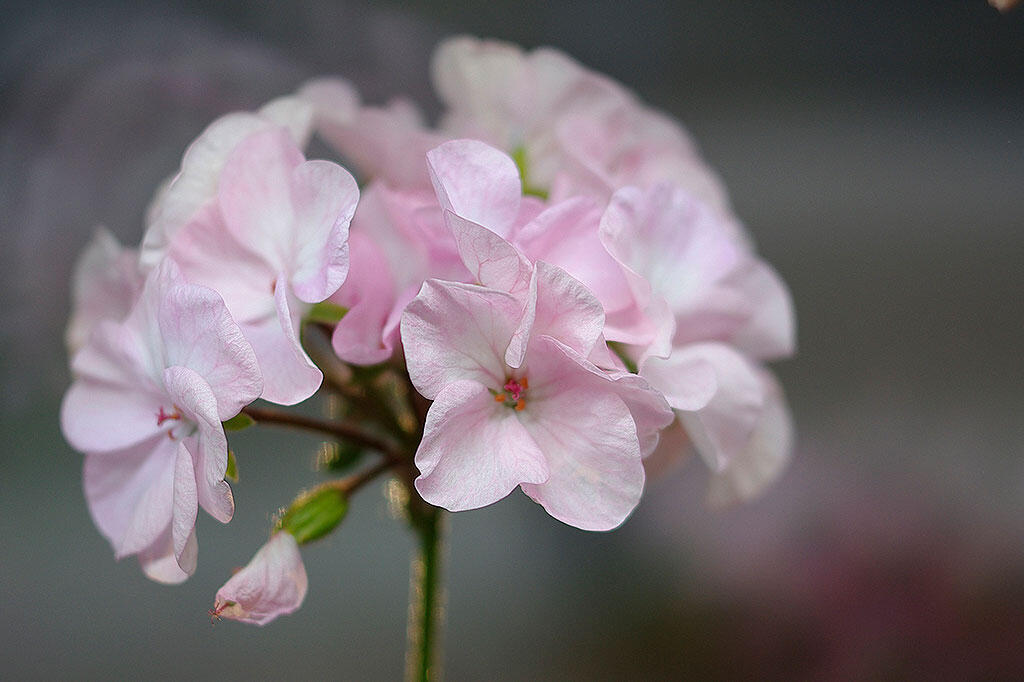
514 389
162 416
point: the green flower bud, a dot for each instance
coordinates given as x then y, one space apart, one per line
314 514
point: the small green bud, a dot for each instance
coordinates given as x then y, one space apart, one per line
326 312
314 514
238 422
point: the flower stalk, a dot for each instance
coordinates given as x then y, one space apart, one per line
426 595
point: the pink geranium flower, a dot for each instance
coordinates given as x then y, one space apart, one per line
384 144
727 309
397 240
499 232
514 405
272 584
273 238
577 132
146 409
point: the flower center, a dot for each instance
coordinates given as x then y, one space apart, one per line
513 393
173 423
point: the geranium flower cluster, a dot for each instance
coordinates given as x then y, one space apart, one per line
552 268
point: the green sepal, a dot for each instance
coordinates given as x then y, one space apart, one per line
232 472
519 156
621 350
238 422
326 312
314 514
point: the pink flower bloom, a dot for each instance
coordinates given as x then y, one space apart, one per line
497 93
500 233
766 454
397 242
516 406
195 185
273 238
146 409
385 144
272 584
106 282
578 131
677 250
726 310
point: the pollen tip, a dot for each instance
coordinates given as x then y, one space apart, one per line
499 398
520 405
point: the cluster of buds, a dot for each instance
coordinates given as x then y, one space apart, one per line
551 280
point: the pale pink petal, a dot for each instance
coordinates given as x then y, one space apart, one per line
602 356
589 441
566 235
456 331
770 331
491 260
272 584
474 450
112 404
475 79
160 563
333 99
324 197
687 379
295 114
721 429
561 307
289 376
477 182
765 455
104 286
196 182
387 144
254 193
151 507
566 309
393 325
197 403
554 365
649 409
369 294
200 334
674 448
186 505
117 482
210 256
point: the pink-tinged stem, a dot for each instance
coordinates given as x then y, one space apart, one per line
338 429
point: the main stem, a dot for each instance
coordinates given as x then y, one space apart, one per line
426 600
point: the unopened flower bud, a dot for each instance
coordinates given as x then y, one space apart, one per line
314 514
272 584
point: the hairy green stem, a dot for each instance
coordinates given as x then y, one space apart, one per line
426 594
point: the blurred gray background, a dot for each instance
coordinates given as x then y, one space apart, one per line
875 150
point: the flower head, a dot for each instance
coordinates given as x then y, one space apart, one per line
515 405
146 409
268 231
